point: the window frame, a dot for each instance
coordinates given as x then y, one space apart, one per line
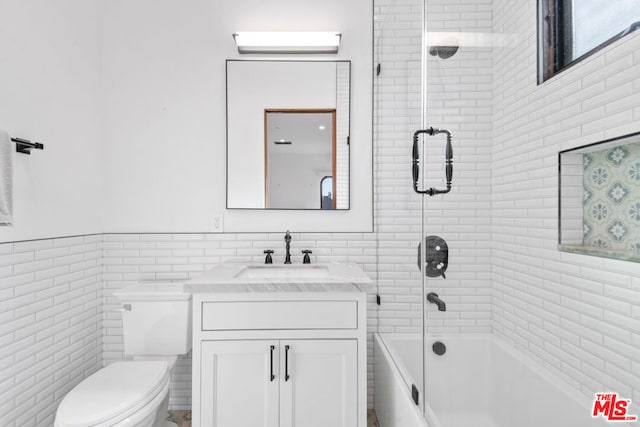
551 33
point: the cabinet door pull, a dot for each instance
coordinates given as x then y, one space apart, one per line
272 377
286 363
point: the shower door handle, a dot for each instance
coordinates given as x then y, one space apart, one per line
415 162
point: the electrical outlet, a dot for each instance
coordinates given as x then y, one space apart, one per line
217 224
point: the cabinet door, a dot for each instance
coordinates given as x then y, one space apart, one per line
237 386
321 387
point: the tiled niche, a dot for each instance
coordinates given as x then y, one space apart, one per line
599 199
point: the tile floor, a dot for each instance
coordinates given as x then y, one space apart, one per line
183 418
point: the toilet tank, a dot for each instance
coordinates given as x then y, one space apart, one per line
156 318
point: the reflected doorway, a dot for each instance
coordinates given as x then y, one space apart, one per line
300 152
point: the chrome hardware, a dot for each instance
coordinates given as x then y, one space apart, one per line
125 307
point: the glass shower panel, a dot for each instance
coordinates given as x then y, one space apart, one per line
456 94
398 112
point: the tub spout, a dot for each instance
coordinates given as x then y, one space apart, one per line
432 297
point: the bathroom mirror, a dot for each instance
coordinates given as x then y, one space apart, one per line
288 134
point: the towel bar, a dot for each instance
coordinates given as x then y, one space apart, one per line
25 146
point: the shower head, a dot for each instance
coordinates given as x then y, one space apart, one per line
443 52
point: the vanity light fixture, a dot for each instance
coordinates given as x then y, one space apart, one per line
282 142
287 41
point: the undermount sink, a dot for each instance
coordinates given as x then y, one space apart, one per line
284 271
232 276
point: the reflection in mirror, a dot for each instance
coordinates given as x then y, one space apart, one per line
326 193
287 130
299 153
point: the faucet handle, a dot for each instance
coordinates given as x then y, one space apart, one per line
268 259
307 258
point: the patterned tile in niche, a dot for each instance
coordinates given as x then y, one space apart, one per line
618 230
600 176
618 193
617 155
601 242
611 198
634 211
587 160
599 211
634 171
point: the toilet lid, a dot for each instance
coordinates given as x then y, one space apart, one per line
112 392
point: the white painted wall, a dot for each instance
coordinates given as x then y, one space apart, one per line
164 85
49 92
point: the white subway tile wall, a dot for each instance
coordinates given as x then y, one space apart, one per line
577 315
459 99
50 324
133 258
573 198
343 108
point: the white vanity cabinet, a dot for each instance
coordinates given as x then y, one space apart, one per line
279 359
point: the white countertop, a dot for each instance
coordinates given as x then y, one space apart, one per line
229 278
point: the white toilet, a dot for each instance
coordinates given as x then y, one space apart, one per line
157 328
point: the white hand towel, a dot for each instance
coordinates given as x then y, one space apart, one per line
6 179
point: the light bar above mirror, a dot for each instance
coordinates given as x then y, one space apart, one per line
287 41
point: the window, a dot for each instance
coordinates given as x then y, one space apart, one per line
570 30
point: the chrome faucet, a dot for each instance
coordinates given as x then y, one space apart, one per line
287 239
435 299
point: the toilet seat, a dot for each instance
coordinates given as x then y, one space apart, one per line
114 393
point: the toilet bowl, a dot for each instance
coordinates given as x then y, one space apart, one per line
121 394
156 328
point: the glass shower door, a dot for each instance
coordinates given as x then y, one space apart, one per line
398 112
456 95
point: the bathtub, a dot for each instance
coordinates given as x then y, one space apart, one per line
479 382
